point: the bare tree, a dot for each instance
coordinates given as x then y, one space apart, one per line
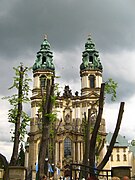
91 142
46 108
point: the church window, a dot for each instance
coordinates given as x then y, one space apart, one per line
92 81
67 147
42 81
124 157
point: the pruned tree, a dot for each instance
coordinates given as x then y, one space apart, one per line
91 142
86 137
16 115
46 110
92 145
113 140
110 88
21 156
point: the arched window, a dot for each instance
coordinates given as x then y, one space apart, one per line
92 81
67 147
42 81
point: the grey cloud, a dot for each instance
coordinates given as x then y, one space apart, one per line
67 23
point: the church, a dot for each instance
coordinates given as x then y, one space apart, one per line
68 142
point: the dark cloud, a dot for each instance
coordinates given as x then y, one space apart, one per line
67 24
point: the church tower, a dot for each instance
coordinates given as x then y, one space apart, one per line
68 142
43 68
90 69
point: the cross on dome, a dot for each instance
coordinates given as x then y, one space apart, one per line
45 36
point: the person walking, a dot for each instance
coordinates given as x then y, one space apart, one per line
125 178
44 177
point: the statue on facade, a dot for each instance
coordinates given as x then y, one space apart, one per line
67 92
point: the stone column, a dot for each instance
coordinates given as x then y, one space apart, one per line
56 153
73 151
61 154
78 145
81 151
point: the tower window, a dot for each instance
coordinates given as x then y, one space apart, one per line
42 81
92 81
67 147
91 59
43 60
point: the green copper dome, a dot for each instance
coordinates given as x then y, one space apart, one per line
90 57
44 57
45 45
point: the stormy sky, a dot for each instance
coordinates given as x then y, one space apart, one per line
23 24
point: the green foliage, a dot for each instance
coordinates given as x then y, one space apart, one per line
24 123
25 85
133 142
110 88
51 116
14 99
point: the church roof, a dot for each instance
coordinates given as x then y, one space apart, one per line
44 59
90 57
121 141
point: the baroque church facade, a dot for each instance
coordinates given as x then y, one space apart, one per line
69 135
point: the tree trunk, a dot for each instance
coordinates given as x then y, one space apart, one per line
113 140
87 139
96 128
14 156
46 109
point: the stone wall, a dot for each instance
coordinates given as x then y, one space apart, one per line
1 173
17 173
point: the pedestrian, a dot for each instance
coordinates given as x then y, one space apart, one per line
115 178
44 177
125 178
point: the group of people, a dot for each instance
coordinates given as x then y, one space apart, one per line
124 178
45 178
90 178
113 178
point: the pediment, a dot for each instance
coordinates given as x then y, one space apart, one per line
93 94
